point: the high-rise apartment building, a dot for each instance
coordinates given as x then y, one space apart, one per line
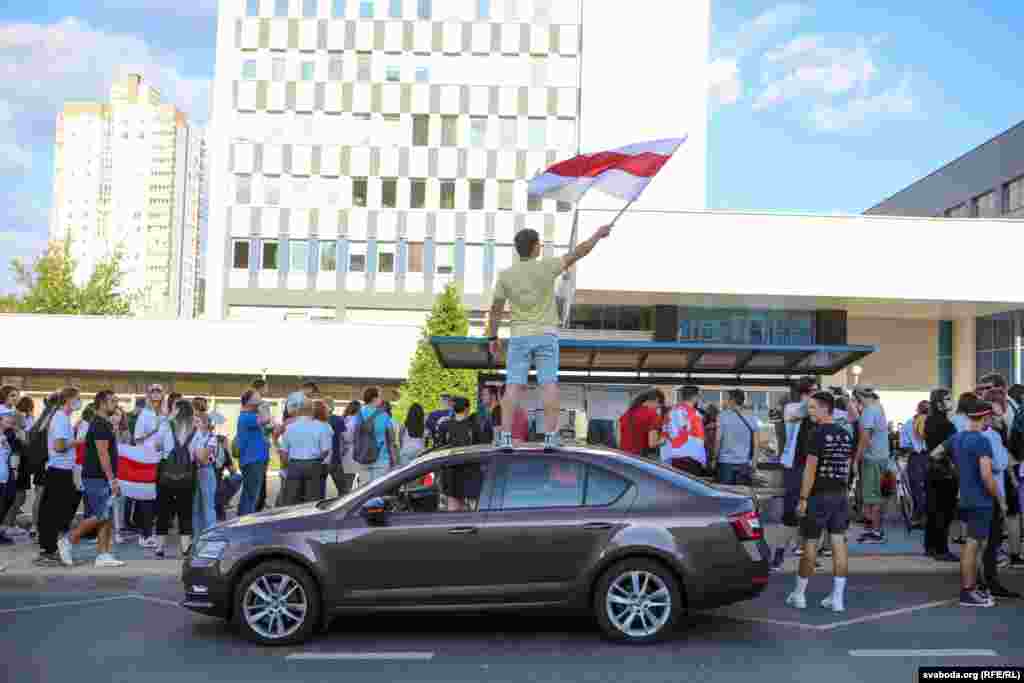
128 177
367 153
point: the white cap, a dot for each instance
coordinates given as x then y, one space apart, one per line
295 402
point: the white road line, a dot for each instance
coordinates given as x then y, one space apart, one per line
365 656
158 601
71 603
775 622
923 653
883 615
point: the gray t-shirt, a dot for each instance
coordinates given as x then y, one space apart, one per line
735 444
873 419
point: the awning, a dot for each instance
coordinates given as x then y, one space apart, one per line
665 358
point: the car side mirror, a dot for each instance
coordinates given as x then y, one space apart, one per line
375 511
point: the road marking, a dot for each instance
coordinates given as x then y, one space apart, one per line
71 603
923 653
158 601
365 656
775 622
884 615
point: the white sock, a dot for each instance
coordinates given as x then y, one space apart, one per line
838 587
801 585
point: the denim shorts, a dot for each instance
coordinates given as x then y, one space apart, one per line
98 494
978 522
540 351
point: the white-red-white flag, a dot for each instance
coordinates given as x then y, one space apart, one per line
136 470
623 172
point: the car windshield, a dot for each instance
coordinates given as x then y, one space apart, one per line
333 503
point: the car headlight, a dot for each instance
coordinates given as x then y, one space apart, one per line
210 549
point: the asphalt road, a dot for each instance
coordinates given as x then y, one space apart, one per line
139 634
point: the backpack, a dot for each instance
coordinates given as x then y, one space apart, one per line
177 470
460 432
366 450
1017 435
37 451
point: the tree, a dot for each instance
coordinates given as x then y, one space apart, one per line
427 379
49 286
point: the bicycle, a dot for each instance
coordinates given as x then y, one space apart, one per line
903 496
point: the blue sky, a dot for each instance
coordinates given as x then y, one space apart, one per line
816 107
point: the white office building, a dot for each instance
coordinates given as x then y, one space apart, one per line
128 177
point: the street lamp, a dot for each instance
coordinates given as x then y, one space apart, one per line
856 371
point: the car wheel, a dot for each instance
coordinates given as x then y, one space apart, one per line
277 603
637 601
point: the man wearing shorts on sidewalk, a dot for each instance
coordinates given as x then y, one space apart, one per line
824 504
529 289
873 452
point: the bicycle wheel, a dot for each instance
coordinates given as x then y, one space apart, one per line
906 504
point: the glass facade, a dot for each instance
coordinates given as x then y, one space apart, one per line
996 345
945 358
740 326
620 318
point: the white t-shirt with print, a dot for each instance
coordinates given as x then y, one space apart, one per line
60 428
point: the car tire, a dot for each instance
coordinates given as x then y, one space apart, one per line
282 626
652 619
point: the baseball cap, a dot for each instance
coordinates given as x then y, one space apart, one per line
865 391
976 409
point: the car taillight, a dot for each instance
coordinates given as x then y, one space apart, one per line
428 480
747 526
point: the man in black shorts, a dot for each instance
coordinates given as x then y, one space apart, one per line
823 504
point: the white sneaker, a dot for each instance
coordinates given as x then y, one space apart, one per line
119 539
831 603
108 560
148 542
797 600
64 550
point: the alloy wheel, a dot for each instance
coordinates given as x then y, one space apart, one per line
638 604
275 606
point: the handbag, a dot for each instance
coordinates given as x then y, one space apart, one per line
177 469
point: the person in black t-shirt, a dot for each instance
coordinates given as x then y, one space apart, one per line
824 505
99 480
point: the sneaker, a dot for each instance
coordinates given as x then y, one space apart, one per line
47 560
865 536
64 550
998 590
799 552
119 539
1016 561
873 538
1003 562
90 541
108 560
974 598
148 542
959 540
778 559
5 541
160 552
552 442
797 600
831 603
503 440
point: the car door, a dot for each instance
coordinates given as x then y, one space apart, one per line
541 537
414 557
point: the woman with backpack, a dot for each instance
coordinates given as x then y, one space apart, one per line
412 441
176 478
24 412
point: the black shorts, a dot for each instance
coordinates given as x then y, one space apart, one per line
792 480
826 512
1012 496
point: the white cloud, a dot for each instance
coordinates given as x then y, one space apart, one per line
862 111
806 67
190 8
725 84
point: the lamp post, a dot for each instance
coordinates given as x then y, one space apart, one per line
856 371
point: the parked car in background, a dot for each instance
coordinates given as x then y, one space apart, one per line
634 542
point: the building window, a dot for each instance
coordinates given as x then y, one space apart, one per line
506 195
389 194
447 194
249 70
418 196
988 205
534 204
309 9
420 130
307 71
538 133
357 259
362 128
386 260
298 255
945 355
1015 195
243 189
269 261
338 9
272 191
359 192
240 254
280 8
366 9
449 131
335 69
476 194
415 264
422 74
483 9
538 73
478 131
425 9
328 256
392 74
252 8
277 69
563 207
509 135
363 66
395 9
444 255
960 211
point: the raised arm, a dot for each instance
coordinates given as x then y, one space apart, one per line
585 247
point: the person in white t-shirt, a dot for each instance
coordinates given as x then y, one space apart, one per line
204 449
60 496
148 433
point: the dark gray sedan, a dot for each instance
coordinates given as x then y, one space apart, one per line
476 528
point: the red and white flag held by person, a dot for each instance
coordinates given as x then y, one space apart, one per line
622 173
136 471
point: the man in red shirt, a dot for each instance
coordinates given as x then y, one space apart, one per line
640 426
